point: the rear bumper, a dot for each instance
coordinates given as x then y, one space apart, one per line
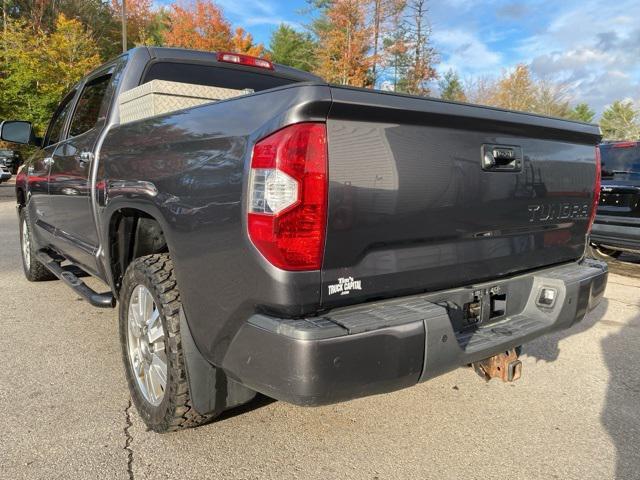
388 345
615 235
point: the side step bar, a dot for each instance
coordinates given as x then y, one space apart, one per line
68 276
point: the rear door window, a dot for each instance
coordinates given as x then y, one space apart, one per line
213 76
92 106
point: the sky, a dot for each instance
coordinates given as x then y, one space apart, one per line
591 45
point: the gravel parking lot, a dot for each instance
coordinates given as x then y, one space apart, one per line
65 410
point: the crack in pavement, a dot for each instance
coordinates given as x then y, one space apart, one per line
128 440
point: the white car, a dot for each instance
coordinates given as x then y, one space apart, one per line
4 174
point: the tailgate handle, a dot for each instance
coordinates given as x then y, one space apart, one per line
501 158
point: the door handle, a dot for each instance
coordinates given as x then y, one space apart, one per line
85 157
48 161
501 158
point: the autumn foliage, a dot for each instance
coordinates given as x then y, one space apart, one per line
139 16
345 39
40 67
201 25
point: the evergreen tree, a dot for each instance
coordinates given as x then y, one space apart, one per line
582 112
621 121
451 87
290 47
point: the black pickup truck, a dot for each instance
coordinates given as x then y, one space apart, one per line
312 242
616 228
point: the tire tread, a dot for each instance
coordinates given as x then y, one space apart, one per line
180 413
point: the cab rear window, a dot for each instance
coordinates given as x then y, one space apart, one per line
213 76
620 159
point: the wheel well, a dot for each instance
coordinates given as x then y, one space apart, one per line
132 234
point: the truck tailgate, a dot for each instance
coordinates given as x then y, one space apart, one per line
415 203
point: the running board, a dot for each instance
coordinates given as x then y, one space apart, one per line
68 276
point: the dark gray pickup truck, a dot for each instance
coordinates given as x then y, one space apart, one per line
312 242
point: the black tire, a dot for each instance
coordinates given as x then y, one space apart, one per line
175 411
33 269
602 253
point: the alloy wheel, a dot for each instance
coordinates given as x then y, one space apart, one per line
147 354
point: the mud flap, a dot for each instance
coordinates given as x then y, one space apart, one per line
212 391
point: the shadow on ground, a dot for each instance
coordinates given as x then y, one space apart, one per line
621 352
626 264
620 416
547 348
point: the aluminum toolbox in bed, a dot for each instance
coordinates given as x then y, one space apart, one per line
161 96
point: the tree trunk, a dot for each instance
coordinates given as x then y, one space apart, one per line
376 35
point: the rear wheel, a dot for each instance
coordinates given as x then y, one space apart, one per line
34 270
603 253
152 345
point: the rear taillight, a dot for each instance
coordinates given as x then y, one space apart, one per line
247 60
287 194
624 145
596 191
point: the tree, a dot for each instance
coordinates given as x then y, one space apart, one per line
395 48
582 112
551 98
621 121
421 53
201 25
243 42
290 47
71 53
344 43
520 90
97 15
383 19
378 12
140 20
41 67
451 87
515 90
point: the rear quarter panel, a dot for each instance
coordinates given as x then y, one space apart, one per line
187 169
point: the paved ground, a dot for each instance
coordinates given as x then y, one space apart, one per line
65 412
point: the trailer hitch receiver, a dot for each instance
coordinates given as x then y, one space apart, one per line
505 365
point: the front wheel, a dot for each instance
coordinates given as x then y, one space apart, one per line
152 345
603 253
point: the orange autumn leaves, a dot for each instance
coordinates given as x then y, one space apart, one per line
202 26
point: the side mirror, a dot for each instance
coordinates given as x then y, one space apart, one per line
17 131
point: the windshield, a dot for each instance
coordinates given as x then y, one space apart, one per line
623 159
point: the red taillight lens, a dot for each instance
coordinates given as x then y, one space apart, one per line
624 145
596 191
247 60
287 208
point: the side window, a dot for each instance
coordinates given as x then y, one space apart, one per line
56 126
91 108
